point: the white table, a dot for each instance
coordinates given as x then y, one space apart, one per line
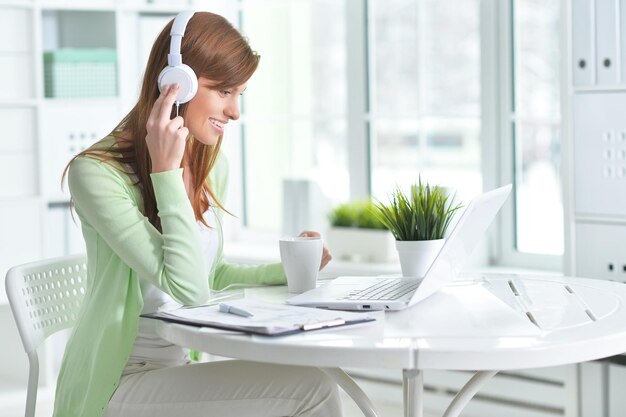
531 322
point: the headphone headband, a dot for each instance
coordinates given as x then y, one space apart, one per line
176 72
178 31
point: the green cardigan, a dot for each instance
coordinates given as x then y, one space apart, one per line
122 249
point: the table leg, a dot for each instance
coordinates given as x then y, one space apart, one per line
353 390
413 392
468 391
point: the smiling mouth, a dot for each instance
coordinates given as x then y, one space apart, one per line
218 125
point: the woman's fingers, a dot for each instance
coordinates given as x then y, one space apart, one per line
168 101
162 108
309 233
156 107
326 258
182 133
175 124
165 137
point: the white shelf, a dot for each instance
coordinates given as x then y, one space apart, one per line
14 53
25 199
104 6
155 8
600 89
25 102
17 3
81 101
599 219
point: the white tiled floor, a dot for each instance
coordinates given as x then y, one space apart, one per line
14 407
388 409
351 410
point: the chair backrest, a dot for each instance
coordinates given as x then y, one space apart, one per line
45 297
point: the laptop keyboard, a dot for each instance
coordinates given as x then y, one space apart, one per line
388 289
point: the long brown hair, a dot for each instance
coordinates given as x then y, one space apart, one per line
214 49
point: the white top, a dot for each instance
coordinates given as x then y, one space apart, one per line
149 347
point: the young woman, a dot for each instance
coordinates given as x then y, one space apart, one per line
149 197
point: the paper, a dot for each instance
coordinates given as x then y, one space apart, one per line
269 319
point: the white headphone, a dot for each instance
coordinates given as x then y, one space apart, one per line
176 72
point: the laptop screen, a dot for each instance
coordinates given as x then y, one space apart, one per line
462 241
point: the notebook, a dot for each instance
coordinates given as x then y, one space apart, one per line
359 293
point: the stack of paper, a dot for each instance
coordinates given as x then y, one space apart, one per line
265 318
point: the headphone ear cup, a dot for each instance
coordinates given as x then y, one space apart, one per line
182 75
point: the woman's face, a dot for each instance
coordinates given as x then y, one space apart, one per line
210 110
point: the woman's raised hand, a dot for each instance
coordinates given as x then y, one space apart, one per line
166 137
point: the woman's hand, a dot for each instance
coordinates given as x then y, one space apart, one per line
166 138
326 256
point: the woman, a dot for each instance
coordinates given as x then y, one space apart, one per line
149 197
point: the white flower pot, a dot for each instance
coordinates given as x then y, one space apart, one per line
361 245
416 256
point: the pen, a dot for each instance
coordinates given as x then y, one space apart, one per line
322 324
225 308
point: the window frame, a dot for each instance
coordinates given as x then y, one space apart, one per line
505 250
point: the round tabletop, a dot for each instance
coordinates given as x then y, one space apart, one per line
485 322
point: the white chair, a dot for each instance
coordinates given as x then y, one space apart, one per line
45 297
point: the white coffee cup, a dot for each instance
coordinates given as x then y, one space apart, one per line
301 258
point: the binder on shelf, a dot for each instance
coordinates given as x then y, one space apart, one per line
607 44
264 318
622 37
583 38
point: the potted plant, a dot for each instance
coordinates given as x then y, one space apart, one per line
418 221
356 233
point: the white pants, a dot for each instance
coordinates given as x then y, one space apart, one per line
226 388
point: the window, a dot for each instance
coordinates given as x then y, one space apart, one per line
535 119
356 97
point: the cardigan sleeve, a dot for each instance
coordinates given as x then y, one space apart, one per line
172 260
227 273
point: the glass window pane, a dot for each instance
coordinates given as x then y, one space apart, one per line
295 105
539 207
426 120
537 52
539 204
303 56
296 150
451 58
393 24
395 156
448 156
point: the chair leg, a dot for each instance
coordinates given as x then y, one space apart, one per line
33 383
353 390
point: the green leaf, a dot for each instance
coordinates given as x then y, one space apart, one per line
424 214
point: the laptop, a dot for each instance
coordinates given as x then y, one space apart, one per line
397 293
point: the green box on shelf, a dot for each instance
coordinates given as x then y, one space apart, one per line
74 73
